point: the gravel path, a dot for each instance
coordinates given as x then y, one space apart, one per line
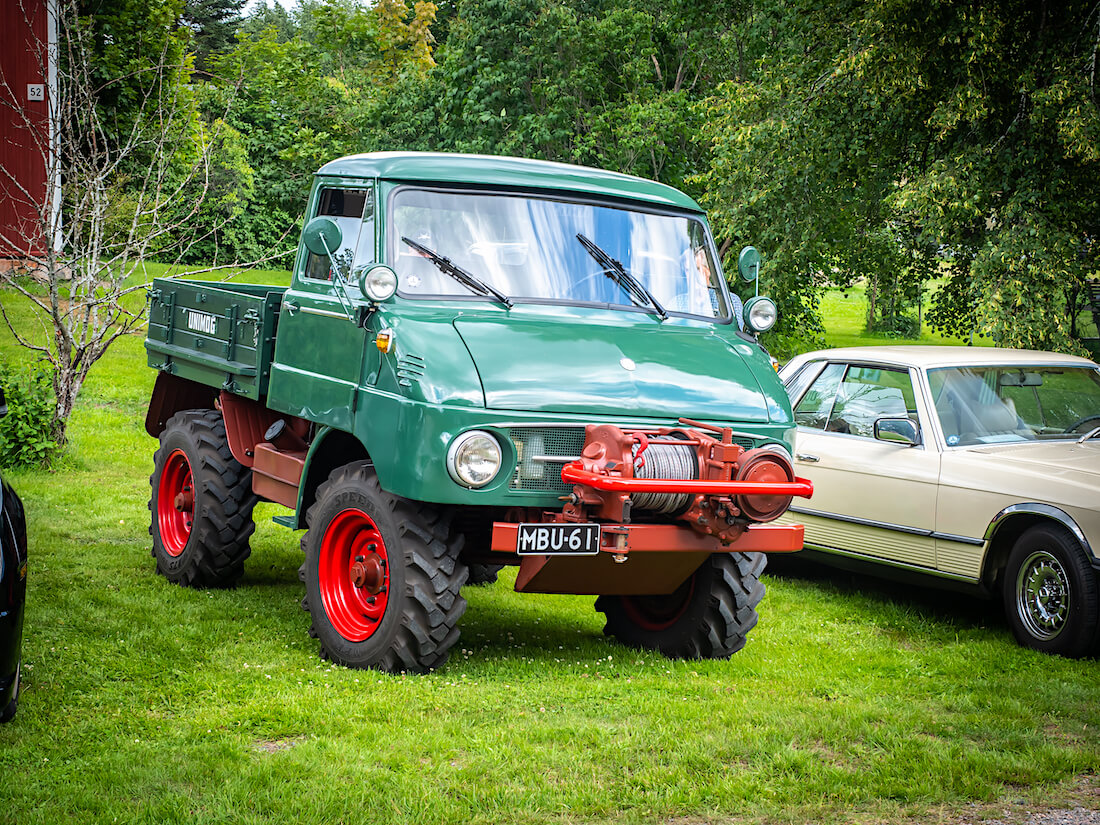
1081 808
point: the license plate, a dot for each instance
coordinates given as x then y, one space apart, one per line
558 539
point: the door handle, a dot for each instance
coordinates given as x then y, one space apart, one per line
810 459
290 307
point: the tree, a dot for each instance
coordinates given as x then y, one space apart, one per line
608 83
132 164
299 100
267 15
213 24
897 141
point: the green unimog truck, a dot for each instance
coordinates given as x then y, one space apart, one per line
479 362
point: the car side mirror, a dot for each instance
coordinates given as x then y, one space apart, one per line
897 431
3 404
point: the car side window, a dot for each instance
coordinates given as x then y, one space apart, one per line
353 211
849 399
814 408
867 394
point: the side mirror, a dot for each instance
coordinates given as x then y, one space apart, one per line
897 431
322 236
748 264
3 404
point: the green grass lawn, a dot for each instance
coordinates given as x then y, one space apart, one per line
148 703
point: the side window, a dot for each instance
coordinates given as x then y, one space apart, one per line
867 394
817 404
353 211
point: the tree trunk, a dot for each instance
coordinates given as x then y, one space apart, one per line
872 300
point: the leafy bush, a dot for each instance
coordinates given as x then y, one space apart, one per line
897 326
26 435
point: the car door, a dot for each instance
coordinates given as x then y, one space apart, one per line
320 352
872 498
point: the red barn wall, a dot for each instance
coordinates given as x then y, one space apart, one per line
24 125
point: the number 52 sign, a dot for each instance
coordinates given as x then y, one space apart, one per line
36 91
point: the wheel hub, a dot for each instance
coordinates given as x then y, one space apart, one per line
1042 595
369 572
185 500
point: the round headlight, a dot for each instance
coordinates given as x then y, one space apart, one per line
760 314
378 283
474 458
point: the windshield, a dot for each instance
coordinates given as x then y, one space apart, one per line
530 248
989 405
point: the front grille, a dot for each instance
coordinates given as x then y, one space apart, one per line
542 452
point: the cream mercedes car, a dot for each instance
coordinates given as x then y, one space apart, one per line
972 466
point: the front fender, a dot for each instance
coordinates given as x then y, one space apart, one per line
1009 523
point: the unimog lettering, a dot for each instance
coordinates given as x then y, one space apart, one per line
202 322
479 363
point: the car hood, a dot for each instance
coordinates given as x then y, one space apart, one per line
616 367
1066 461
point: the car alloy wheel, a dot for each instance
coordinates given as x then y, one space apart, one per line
1043 599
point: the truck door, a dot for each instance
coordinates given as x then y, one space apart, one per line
319 351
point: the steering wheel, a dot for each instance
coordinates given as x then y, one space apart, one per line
1079 426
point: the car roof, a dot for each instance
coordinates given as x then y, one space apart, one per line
518 173
927 357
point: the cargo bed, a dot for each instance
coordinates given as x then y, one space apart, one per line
221 335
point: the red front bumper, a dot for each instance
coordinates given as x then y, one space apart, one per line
637 559
673 538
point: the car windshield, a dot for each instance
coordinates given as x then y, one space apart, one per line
989 405
529 247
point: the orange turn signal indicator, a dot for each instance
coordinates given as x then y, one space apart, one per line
384 340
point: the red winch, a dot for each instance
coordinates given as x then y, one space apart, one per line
681 473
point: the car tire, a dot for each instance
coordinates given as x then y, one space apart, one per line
382 574
708 617
7 713
201 503
1051 593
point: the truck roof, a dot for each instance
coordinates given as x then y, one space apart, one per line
520 173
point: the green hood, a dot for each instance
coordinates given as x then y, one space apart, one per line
617 364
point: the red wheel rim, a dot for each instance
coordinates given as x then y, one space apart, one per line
175 503
654 613
353 573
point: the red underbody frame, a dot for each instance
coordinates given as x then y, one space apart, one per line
674 490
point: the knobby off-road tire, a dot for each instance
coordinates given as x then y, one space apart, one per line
708 617
1051 594
483 574
382 576
201 503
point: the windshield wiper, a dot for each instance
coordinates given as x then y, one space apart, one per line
467 279
617 272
